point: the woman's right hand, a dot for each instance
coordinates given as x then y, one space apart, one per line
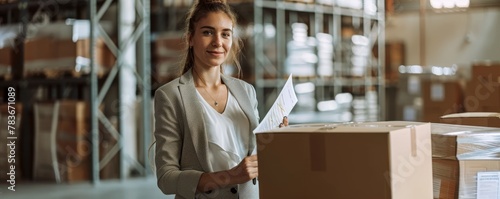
284 123
246 170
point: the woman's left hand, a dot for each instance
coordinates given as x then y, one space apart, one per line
285 122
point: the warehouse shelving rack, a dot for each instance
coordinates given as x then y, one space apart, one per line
270 72
139 38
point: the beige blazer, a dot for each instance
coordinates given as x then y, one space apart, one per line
181 140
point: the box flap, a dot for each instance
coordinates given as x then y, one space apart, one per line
351 127
472 114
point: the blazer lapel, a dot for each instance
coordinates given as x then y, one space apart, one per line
194 119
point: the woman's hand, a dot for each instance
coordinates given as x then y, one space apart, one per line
246 170
285 122
241 173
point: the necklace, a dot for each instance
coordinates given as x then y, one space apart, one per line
204 88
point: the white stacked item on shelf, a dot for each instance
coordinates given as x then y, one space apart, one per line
338 109
360 55
301 57
370 7
325 54
326 2
353 4
365 108
306 97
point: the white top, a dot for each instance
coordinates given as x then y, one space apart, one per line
228 138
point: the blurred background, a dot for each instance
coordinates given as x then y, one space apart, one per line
78 76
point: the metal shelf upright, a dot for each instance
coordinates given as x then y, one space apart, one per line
131 34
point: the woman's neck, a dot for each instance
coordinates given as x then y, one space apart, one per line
207 77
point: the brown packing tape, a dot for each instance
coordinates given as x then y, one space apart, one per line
318 151
413 141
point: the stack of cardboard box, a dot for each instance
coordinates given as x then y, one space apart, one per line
459 153
65 124
457 158
72 143
65 56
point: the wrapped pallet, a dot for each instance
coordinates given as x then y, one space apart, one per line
459 153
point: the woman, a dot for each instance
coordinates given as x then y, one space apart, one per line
204 119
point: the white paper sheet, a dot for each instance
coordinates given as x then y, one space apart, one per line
281 107
488 185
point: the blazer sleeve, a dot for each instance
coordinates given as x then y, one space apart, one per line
169 139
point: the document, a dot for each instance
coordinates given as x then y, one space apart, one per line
488 185
282 107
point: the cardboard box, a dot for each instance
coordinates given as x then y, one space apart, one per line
409 113
104 57
168 45
65 56
71 140
451 143
442 96
394 57
166 60
450 173
445 178
67 49
318 161
6 62
459 141
486 70
482 95
473 119
36 49
6 57
434 115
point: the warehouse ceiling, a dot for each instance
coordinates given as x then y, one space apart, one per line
414 5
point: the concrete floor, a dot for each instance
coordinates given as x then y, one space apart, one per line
137 188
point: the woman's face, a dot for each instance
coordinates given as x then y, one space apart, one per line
212 39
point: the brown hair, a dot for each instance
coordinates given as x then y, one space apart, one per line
199 10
